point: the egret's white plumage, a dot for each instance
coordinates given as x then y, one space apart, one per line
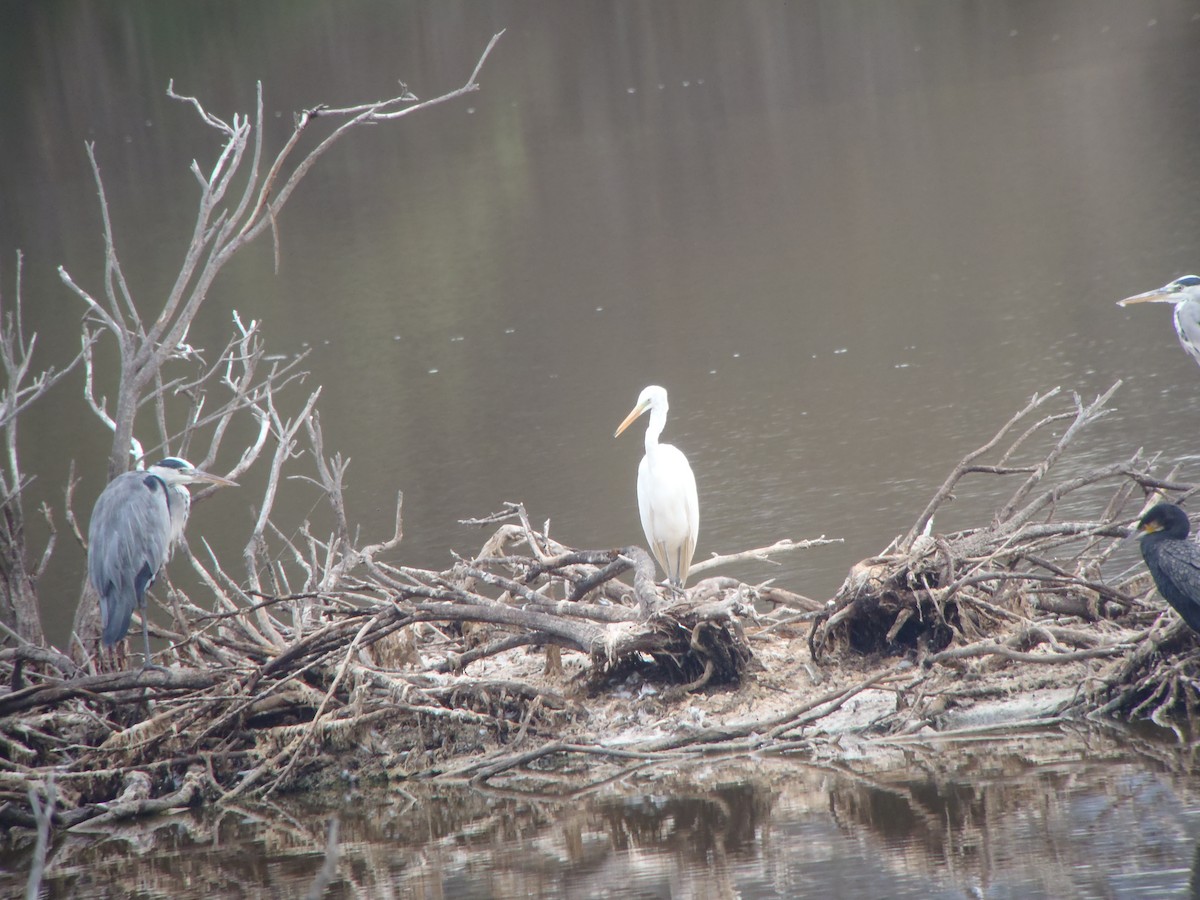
666 490
1184 294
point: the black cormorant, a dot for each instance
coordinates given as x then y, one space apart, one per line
1172 559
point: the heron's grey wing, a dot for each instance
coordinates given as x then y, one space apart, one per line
127 545
1179 562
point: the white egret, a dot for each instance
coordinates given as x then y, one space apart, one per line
666 490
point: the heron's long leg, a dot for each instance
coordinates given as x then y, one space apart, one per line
146 638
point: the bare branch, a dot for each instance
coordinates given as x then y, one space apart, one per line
19 611
1084 417
762 554
378 112
948 485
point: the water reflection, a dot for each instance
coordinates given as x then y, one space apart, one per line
1050 815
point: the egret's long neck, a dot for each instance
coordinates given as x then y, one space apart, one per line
658 421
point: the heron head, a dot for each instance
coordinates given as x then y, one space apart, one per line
1165 517
174 470
651 397
1181 290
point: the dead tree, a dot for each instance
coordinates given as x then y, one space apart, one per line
242 194
20 620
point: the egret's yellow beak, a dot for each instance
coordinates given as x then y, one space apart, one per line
213 479
629 419
1158 295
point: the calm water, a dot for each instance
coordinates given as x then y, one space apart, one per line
1043 817
850 239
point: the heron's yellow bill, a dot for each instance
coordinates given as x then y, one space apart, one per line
629 419
214 479
1158 295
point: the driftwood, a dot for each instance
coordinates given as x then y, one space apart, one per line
270 689
381 661
1028 587
1018 609
928 590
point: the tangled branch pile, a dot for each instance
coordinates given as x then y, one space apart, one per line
1027 591
270 690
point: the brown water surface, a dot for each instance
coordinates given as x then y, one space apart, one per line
1043 816
849 238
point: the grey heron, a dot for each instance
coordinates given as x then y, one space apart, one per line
136 522
1173 560
1184 293
666 490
